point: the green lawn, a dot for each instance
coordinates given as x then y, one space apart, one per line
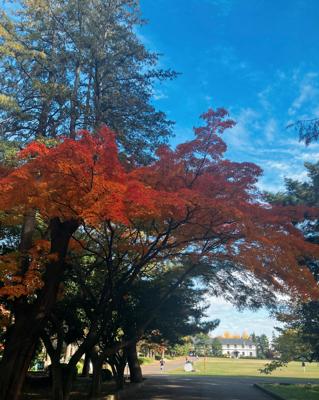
295 392
242 367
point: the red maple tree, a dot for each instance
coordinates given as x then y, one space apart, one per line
190 202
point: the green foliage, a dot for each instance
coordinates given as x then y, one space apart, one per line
216 348
183 348
290 345
78 64
202 345
300 337
8 152
145 360
262 346
300 193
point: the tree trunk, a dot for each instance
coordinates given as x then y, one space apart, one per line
74 101
69 376
87 111
56 367
57 381
97 95
16 359
86 366
22 337
96 384
85 346
120 378
118 373
134 366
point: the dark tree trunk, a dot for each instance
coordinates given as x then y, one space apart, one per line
120 378
74 101
134 366
97 95
87 112
23 336
96 384
57 381
16 359
86 366
69 376
118 373
56 372
19 349
43 119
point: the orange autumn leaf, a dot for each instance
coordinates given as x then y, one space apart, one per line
190 202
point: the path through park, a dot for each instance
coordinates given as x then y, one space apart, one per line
170 365
174 387
162 386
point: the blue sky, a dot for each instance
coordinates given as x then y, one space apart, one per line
260 60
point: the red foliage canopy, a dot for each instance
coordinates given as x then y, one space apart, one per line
188 202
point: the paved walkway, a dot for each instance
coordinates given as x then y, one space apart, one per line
170 365
170 387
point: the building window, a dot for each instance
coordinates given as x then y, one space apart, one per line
228 346
242 346
243 353
235 346
250 346
228 352
251 354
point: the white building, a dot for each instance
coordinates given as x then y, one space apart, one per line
237 348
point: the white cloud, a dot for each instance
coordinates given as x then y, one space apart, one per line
299 176
247 123
279 165
263 97
227 57
271 128
299 146
308 93
265 186
308 156
159 95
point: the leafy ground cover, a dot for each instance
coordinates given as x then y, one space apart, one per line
295 392
250 368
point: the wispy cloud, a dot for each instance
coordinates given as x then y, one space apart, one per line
271 128
308 94
226 57
159 95
239 137
263 98
278 165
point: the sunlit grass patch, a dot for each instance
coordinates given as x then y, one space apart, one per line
249 368
294 392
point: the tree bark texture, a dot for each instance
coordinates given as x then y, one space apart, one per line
134 366
96 384
24 334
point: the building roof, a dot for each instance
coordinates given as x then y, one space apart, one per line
247 342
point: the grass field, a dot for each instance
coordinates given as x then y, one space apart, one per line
249 368
295 392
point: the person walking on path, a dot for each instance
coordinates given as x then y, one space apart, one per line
162 363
